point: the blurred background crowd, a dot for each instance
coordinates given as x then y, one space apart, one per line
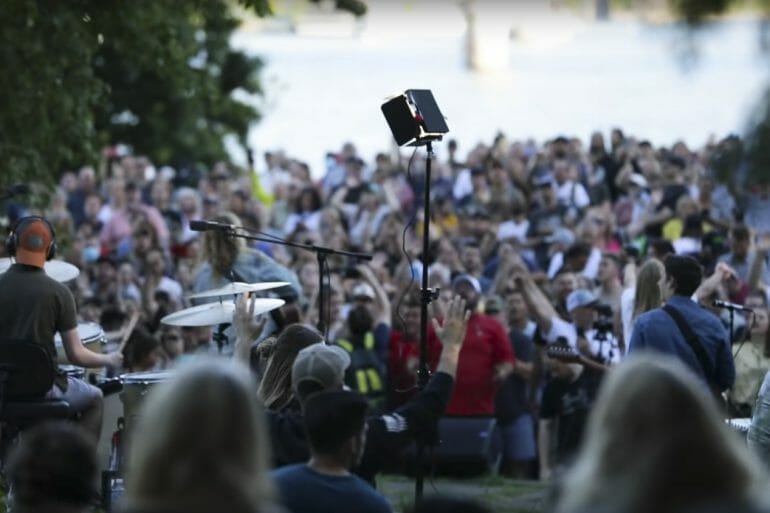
565 214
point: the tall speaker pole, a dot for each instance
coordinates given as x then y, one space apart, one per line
426 296
415 120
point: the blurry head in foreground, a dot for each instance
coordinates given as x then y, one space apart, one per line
656 442
201 444
53 469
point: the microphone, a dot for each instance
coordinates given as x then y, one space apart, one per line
202 226
731 306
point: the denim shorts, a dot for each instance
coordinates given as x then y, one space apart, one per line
518 439
79 394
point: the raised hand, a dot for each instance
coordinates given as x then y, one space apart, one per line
247 327
452 331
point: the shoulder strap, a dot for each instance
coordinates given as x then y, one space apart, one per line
692 340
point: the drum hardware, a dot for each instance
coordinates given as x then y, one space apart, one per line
741 425
59 270
219 336
236 288
136 386
211 314
107 386
73 371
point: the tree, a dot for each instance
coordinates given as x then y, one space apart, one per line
156 75
743 163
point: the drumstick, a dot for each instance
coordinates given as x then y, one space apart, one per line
127 332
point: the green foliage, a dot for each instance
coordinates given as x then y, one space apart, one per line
47 88
157 75
750 156
758 144
355 7
695 11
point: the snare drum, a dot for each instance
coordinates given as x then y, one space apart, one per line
136 386
92 336
73 371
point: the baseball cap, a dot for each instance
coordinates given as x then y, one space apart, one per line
363 290
320 364
34 237
467 278
580 297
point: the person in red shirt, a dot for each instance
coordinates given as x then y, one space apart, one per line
486 358
404 353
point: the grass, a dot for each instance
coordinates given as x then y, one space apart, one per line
499 494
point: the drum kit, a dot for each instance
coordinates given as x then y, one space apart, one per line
136 385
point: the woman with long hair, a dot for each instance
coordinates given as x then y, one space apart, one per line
275 388
642 294
656 442
201 445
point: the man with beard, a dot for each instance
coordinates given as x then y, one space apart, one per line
335 423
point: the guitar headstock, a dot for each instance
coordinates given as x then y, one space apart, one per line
564 354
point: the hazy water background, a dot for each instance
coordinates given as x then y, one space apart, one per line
564 75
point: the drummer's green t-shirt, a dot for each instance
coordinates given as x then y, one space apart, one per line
34 307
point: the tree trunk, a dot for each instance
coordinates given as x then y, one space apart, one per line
602 10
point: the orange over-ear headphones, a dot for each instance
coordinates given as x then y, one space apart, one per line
12 241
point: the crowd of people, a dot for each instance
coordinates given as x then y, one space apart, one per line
552 264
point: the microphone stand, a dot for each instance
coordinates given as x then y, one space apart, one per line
321 254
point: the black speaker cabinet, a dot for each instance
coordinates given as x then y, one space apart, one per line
414 117
469 446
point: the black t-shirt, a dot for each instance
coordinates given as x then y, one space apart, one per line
34 307
671 194
569 403
511 398
543 222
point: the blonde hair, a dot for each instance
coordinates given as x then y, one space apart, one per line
648 294
201 440
656 442
219 248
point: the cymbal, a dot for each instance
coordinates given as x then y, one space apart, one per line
59 270
211 314
237 287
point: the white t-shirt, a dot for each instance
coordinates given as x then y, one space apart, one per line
627 313
686 246
513 230
572 193
590 271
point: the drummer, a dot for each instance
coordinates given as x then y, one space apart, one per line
229 259
34 307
